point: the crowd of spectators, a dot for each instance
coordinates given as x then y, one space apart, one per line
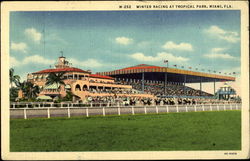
136 101
158 88
114 90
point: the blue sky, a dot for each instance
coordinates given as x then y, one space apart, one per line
109 40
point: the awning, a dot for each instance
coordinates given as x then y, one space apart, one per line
52 86
44 97
67 86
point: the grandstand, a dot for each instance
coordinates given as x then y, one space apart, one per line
141 81
165 81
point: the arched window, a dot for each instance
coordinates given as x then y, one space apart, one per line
78 87
85 87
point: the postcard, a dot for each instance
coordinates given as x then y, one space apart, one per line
100 80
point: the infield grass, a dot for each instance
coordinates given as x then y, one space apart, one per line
156 132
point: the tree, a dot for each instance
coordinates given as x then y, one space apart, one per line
29 89
13 78
55 78
13 93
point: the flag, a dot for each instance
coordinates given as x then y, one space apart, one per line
165 61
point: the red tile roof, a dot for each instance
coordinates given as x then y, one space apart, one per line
141 66
100 76
71 69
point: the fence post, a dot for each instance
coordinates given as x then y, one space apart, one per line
39 105
133 112
156 109
24 113
224 107
68 105
91 104
48 113
87 112
211 107
186 108
231 106
68 112
177 108
195 108
103 111
203 107
167 108
14 105
236 106
27 105
145 110
119 111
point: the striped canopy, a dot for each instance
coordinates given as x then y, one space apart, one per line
44 97
52 86
67 86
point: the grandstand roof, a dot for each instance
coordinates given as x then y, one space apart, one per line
100 76
70 69
173 74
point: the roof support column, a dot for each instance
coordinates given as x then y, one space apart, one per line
185 79
142 83
200 85
165 83
214 86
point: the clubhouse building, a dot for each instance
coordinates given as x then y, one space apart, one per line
81 83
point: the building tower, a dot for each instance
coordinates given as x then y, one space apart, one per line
62 63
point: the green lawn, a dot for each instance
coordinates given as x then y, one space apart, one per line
155 132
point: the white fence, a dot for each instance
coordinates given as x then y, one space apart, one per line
115 110
70 104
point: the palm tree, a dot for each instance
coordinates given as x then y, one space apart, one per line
55 78
29 89
13 78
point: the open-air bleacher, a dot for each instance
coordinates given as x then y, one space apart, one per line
172 89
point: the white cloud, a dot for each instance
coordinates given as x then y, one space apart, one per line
182 46
22 47
14 62
219 53
37 59
86 64
33 34
215 55
159 57
34 59
229 36
124 40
